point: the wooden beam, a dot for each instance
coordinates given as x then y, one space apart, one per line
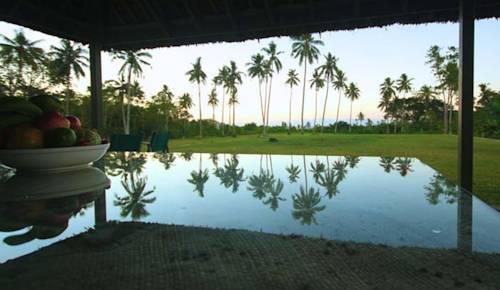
269 12
96 86
466 94
160 20
195 17
229 12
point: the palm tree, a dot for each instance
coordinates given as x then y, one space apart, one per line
292 80
167 159
134 204
273 64
164 99
306 205
340 84
426 93
352 161
234 79
213 101
440 186
275 189
404 85
131 67
198 76
387 93
352 93
185 104
260 184
199 178
318 83
256 70
222 79
67 60
304 48
317 169
329 181
21 52
328 70
361 118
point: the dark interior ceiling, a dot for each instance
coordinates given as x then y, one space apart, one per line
135 24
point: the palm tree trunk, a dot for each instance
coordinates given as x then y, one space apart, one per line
450 120
350 119
213 114
66 97
269 100
223 103
315 108
305 169
264 130
303 99
290 112
262 110
234 117
445 114
338 111
129 91
324 106
199 104
166 118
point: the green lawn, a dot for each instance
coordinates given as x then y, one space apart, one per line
438 151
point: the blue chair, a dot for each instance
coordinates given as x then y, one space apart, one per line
122 142
159 142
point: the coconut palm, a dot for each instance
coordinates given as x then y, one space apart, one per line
199 178
260 184
361 118
292 80
387 94
131 68
387 163
164 100
317 82
439 187
340 167
185 104
403 165
167 159
221 79
186 156
340 84
21 52
213 101
198 76
352 161
327 69
293 173
274 198
404 85
317 169
256 70
68 60
304 47
329 181
426 94
273 64
352 93
306 205
234 173
233 80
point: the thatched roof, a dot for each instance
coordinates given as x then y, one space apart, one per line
133 24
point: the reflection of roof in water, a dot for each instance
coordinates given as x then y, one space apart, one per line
137 255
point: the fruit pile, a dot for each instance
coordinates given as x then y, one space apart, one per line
38 123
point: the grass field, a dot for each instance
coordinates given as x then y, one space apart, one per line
438 151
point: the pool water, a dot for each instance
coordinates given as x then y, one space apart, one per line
396 201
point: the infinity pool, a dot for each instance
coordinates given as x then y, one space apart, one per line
383 200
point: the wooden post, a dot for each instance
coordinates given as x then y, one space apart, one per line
466 89
466 125
96 86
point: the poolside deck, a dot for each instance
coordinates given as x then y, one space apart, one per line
152 256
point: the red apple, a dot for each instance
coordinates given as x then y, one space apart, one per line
51 120
74 122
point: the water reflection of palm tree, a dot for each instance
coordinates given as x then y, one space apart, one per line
352 161
329 181
275 190
199 178
317 169
230 175
293 172
134 203
340 166
186 156
387 163
403 165
130 166
167 159
306 205
215 159
440 186
260 184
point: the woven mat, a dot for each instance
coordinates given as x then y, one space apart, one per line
152 256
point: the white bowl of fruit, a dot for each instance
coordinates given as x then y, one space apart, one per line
35 137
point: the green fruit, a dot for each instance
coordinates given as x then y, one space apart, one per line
47 103
11 119
20 106
88 137
60 137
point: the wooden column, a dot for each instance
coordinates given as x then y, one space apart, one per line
466 98
466 125
96 86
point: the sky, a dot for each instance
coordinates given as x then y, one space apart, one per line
367 56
